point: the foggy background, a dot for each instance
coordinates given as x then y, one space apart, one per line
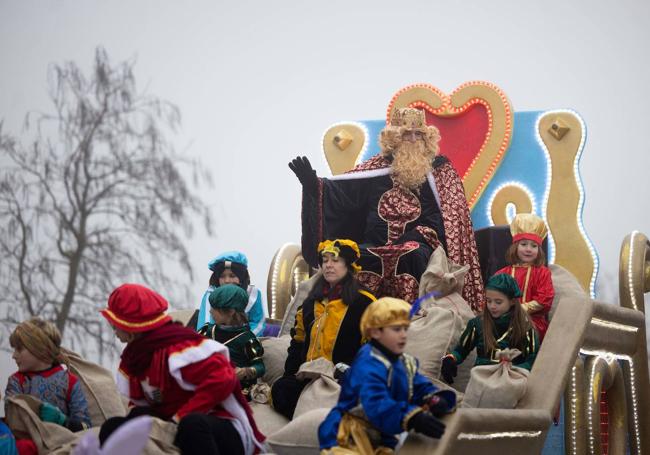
258 83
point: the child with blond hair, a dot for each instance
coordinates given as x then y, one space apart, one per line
383 394
43 373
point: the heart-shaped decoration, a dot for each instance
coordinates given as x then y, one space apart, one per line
475 124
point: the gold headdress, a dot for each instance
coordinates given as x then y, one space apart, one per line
384 312
347 249
526 226
408 118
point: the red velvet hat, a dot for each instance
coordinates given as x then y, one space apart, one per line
135 308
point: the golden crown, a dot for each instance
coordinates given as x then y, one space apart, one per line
524 225
408 117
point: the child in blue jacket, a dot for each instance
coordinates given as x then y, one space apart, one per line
382 392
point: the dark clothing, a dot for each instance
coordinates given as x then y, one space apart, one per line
244 347
206 434
323 328
197 433
285 394
334 324
396 228
472 338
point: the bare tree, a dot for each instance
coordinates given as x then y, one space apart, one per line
96 196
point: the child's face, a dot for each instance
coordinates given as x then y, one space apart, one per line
334 268
221 316
26 361
527 251
392 337
497 303
228 277
123 335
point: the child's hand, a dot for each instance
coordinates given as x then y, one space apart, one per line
449 369
425 423
50 413
438 406
245 373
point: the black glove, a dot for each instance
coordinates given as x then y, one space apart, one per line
340 369
425 423
449 369
305 173
438 406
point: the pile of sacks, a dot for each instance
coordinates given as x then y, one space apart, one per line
435 330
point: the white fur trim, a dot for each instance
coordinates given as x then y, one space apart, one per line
242 425
122 382
432 183
252 298
362 174
193 354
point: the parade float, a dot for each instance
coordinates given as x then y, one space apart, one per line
589 383
593 361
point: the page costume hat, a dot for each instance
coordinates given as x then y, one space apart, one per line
347 249
135 308
229 296
526 226
505 284
235 261
384 312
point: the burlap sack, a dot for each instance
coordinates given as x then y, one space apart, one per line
442 319
160 441
304 288
100 390
300 436
182 316
267 419
498 386
275 354
323 390
21 415
442 275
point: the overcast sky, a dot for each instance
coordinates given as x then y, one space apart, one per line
259 82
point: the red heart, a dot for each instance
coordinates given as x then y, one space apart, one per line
475 124
462 136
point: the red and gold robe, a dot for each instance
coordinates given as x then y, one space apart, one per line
396 228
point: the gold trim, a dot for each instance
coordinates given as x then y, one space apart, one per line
510 194
368 294
563 207
632 283
135 324
499 134
512 273
288 269
409 415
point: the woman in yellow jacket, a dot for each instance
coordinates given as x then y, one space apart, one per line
327 323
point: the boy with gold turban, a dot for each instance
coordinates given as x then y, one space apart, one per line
383 394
